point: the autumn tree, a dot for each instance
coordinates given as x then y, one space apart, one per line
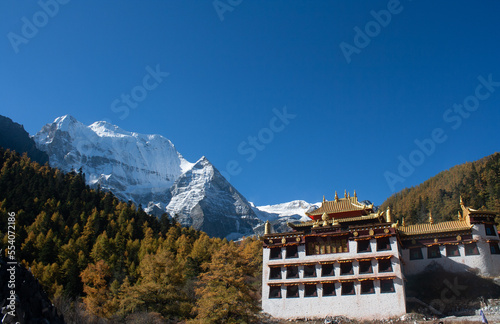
224 294
95 280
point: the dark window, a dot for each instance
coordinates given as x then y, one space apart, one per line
346 268
367 287
329 289
452 250
275 273
310 290
416 254
365 266
384 265
433 252
327 270
348 288
309 271
292 272
490 230
275 292
383 244
471 249
386 286
292 251
494 248
292 291
364 246
275 253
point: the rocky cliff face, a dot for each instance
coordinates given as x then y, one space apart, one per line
14 137
29 304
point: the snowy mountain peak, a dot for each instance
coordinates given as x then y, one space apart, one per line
65 122
134 166
105 129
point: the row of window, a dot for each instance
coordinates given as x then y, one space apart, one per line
328 245
434 252
328 289
327 270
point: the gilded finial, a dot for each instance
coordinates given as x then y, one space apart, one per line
345 193
431 221
355 195
267 228
403 223
323 198
336 196
461 201
459 216
388 216
324 217
348 195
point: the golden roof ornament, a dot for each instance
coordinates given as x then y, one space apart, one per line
324 217
348 195
323 198
459 216
388 216
431 221
461 201
267 228
336 196
355 195
345 193
403 223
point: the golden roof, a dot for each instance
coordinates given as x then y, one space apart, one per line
341 205
340 220
419 229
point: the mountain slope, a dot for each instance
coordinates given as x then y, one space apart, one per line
14 137
477 182
202 198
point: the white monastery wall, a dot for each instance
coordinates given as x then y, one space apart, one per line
361 306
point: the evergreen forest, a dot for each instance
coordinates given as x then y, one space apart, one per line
104 260
478 183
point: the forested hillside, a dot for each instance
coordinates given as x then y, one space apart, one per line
477 182
86 245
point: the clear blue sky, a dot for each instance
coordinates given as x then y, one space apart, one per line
230 66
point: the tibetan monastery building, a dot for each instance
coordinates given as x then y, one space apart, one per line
349 260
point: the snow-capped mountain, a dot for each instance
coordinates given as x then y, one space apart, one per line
148 170
279 215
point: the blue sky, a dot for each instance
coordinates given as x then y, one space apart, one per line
362 81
